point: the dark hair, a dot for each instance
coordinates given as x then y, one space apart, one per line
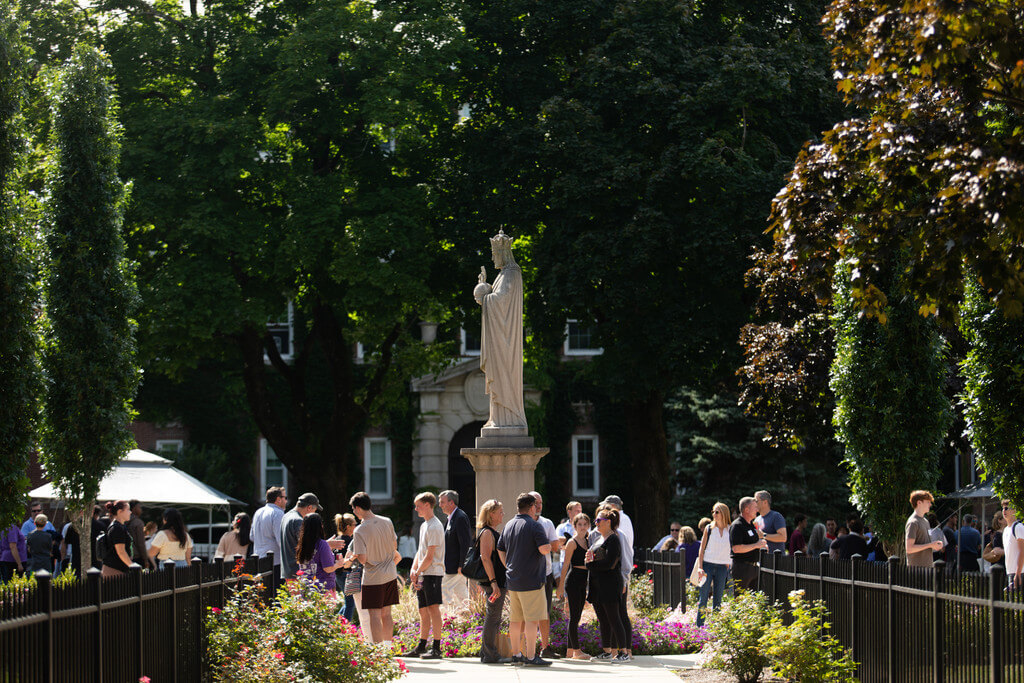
311 532
132 503
856 526
97 511
174 522
799 518
361 500
613 517
273 493
524 501
113 506
244 527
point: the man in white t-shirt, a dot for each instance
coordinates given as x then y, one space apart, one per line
1013 546
426 576
565 529
549 583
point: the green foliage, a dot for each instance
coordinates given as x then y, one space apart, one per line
19 366
736 631
641 594
89 355
891 411
297 636
289 155
723 456
803 651
993 394
929 171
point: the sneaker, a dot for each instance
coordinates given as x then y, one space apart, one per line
620 658
432 653
549 653
515 660
536 661
603 657
413 653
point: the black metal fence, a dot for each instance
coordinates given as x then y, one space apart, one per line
909 624
668 568
117 630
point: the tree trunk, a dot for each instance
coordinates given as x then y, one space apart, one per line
83 525
648 447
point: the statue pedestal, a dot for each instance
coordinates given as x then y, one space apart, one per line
503 473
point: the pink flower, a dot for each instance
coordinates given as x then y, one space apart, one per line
300 573
279 655
144 679
354 663
215 610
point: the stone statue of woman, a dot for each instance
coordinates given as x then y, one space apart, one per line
501 344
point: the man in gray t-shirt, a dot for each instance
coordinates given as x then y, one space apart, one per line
770 522
375 545
291 525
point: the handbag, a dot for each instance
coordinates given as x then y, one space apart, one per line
473 565
354 579
989 554
695 577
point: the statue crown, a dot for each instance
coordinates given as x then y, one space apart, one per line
501 240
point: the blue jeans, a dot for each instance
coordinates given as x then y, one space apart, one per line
718 575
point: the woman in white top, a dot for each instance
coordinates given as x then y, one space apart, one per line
714 559
172 542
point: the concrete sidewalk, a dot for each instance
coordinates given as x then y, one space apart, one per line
470 670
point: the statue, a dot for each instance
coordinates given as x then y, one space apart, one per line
501 341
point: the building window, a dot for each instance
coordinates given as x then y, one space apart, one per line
470 343
579 339
586 467
377 467
272 471
169 448
281 328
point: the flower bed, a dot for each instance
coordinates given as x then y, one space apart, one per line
463 632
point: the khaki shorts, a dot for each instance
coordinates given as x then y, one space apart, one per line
527 605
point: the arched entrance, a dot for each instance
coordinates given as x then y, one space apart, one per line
461 477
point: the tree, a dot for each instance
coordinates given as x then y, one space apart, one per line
891 412
284 156
931 170
19 370
993 393
661 152
89 354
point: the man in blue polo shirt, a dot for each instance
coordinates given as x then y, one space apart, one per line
522 547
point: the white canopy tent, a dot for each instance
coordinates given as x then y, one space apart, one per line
971 492
154 481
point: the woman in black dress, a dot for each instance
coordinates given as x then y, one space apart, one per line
605 585
573 585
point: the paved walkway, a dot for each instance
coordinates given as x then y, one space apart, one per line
466 670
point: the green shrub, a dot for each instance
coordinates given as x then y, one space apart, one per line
803 652
736 631
641 594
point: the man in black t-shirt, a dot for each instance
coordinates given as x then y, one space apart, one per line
853 543
746 542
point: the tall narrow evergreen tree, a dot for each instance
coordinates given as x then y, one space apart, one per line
993 393
19 375
89 355
891 412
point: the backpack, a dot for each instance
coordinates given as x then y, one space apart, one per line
101 547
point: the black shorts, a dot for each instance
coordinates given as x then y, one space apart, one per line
430 592
378 596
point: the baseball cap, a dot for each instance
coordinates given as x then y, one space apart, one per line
307 499
613 500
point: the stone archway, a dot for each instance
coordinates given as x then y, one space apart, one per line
461 477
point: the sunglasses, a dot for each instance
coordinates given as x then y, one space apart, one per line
601 519
675 529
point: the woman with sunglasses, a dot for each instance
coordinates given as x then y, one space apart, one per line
605 585
714 559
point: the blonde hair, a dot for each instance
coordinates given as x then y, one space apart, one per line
689 536
426 497
723 510
486 510
341 522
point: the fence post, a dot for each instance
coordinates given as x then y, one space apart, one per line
854 561
44 588
197 578
890 640
94 578
683 583
821 578
938 577
135 571
219 563
997 580
170 567
775 574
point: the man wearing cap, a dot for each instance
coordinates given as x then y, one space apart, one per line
291 524
625 532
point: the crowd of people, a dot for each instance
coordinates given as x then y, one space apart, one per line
359 564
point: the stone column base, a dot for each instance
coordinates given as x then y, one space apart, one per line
503 473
